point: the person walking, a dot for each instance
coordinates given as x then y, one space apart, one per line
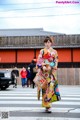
23 74
28 77
15 74
45 79
32 67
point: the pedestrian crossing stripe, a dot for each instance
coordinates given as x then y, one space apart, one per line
20 101
34 94
35 98
43 118
40 109
38 102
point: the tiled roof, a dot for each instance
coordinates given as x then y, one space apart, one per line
26 32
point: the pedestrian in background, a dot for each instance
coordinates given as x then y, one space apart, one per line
32 71
45 79
23 74
15 74
28 77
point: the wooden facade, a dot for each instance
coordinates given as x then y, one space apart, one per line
28 41
17 49
68 76
20 50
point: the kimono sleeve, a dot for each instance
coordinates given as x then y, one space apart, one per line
56 59
40 59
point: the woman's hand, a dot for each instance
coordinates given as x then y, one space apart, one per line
44 68
55 68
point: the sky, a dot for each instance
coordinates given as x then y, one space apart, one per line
51 15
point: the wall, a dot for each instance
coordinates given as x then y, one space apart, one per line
7 56
68 76
65 76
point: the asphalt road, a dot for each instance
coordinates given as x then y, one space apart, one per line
22 104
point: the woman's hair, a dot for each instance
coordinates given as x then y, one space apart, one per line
47 39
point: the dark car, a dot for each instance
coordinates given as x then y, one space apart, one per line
6 79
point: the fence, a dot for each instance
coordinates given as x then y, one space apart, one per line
65 76
68 76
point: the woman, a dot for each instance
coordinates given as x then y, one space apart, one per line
47 63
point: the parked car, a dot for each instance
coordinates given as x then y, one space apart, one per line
6 79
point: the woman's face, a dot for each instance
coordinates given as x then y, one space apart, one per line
48 44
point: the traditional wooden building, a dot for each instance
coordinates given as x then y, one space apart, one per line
19 46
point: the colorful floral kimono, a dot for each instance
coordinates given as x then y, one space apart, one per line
46 79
